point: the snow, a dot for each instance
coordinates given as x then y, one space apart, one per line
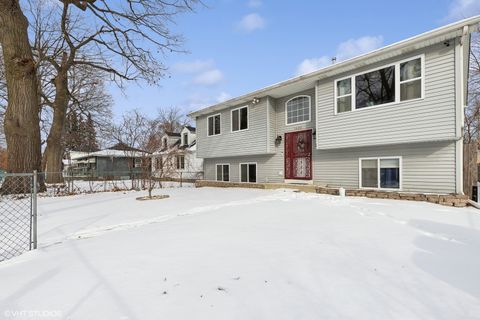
246 254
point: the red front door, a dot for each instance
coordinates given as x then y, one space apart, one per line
298 155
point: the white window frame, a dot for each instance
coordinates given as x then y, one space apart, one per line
397 86
240 172
309 110
239 120
208 131
216 171
400 164
137 162
179 167
183 140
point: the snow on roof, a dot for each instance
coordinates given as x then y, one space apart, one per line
113 153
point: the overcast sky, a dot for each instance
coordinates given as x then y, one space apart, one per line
236 46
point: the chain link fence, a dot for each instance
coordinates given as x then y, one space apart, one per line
18 198
18 214
66 183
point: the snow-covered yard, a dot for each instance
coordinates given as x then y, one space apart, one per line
245 254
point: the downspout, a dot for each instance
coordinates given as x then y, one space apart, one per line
459 107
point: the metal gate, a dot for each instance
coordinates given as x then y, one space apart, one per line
18 214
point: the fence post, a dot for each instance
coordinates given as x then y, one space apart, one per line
34 210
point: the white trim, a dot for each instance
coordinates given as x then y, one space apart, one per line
213 116
188 138
248 171
400 164
216 171
239 120
177 157
397 101
309 110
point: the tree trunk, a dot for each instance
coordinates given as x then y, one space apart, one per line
21 122
54 150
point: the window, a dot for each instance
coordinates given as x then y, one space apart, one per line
381 86
298 110
248 172
344 95
213 125
180 162
185 139
380 173
159 163
138 163
374 88
411 80
165 142
240 119
223 172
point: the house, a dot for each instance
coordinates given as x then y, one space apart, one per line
177 158
119 160
391 119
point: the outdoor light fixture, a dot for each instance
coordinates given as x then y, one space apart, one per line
255 100
278 139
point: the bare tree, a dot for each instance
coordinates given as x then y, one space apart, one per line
21 120
126 40
472 111
172 119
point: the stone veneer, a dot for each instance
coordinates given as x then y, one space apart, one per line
455 200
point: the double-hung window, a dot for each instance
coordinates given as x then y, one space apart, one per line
180 162
298 110
240 119
380 173
394 83
213 125
411 79
248 172
223 172
185 139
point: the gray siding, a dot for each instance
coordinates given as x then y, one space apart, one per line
430 119
228 143
265 171
426 167
406 129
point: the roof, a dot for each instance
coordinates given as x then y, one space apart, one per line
307 81
172 134
114 154
124 147
191 129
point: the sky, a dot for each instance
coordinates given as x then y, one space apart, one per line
237 46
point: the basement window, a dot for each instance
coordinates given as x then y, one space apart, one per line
223 172
248 172
380 173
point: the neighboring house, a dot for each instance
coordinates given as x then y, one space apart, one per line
177 158
391 119
118 161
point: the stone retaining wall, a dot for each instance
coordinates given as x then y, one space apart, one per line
442 199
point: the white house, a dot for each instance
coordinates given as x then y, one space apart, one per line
177 157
